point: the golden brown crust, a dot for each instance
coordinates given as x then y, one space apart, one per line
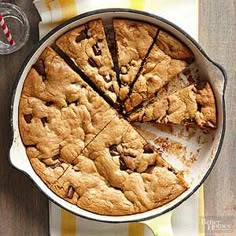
119 173
188 106
165 60
133 39
77 143
157 71
87 46
58 111
172 47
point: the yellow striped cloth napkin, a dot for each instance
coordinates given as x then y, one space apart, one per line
186 219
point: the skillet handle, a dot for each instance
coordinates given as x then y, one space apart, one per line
218 77
18 157
160 226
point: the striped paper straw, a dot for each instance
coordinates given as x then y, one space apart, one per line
6 31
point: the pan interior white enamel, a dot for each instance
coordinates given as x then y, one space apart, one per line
207 149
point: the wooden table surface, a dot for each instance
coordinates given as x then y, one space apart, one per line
24 210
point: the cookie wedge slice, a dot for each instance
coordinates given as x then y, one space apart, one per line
119 173
59 114
86 45
191 106
167 58
133 40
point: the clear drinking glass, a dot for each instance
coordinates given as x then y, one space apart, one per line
18 24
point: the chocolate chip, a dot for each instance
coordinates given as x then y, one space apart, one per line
123 165
92 62
111 89
201 85
56 157
58 164
28 118
84 34
148 148
70 192
199 106
49 103
171 169
113 150
107 78
149 169
44 120
96 50
81 36
39 67
124 70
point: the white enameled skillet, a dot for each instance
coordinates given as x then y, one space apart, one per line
208 68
